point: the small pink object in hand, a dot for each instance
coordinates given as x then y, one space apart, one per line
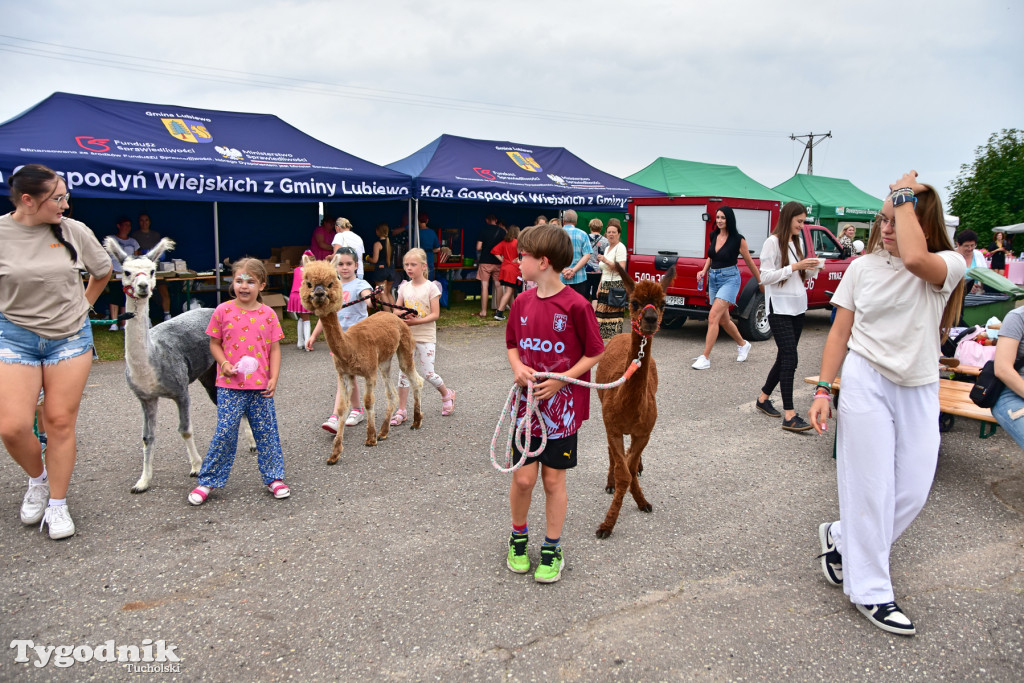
247 365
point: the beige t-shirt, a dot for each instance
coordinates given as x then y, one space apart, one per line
40 288
896 315
420 298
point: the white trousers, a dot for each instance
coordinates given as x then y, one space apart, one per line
886 451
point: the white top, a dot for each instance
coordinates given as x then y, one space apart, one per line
896 315
784 289
347 238
614 254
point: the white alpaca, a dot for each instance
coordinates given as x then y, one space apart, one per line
164 360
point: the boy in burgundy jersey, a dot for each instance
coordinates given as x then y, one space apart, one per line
551 328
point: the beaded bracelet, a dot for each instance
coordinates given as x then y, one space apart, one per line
827 395
902 191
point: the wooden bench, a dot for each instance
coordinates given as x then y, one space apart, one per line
954 400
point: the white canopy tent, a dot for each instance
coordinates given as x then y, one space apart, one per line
1018 227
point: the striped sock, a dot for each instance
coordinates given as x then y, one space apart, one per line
551 542
520 530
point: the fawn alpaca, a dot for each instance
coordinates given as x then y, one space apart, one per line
364 350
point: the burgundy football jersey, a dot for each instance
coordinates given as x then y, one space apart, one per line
552 334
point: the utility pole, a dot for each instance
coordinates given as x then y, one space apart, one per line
809 148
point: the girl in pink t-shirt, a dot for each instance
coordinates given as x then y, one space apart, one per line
245 338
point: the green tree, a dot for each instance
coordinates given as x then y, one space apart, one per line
990 191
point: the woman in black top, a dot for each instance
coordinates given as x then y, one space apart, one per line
997 250
725 248
378 260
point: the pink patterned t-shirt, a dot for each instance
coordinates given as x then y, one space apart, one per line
245 335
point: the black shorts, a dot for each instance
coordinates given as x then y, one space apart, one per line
513 285
380 275
560 454
581 288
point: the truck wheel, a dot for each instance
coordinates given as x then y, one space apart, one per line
672 322
756 327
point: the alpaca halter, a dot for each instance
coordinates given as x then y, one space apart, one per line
635 324
524 431
129 288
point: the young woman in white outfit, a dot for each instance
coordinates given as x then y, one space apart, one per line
894 304
784 270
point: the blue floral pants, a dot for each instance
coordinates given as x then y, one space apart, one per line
231 405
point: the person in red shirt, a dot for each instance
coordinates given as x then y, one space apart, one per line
551 328
507 252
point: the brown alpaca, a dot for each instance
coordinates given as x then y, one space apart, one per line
366 348
631 408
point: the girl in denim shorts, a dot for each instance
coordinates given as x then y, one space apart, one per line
727 245
45 338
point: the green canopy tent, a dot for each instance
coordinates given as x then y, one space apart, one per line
832 200
697 179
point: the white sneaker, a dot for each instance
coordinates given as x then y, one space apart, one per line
59 519
167 316
742 351
113 328
34 504
331 425
702 363
354 418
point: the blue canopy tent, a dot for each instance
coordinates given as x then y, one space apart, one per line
111 149
486 172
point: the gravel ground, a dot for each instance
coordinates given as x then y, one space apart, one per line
390 565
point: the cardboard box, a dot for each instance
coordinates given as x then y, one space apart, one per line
278 303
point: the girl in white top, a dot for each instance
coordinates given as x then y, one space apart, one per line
352 289
422 295
783 274
894 304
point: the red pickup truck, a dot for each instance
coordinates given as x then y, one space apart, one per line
663 231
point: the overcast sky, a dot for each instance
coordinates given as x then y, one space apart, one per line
899 85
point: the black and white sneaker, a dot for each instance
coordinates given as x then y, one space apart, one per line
888 617
796 424
831 559
767 408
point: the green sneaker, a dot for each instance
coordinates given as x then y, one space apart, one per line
551 562
518 561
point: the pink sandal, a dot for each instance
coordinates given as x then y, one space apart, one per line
448 404
198 495
398 418
279 489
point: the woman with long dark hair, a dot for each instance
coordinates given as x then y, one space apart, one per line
726 247
45 336
894 305
784 270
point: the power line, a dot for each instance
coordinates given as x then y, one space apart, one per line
119 61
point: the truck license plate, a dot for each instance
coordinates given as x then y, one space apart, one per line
674 301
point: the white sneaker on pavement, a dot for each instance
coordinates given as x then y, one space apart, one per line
331 425
355 417
742 351
702 363
59 520
34 504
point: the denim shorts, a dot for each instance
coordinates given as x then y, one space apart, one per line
22 347
1009 402
724 284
